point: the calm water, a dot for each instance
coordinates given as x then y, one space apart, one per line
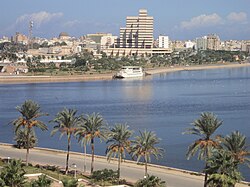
164 103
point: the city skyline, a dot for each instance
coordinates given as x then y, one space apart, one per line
177 19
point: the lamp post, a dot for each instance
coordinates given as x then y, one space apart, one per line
74 166
8 158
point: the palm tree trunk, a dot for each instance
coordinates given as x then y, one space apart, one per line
85 150
146 165
119 167
28 146
93 153
205 180
67 159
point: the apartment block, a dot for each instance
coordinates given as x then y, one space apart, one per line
213 42
163 42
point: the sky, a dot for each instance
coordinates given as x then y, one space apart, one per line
178 19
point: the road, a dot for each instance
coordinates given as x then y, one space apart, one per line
129 170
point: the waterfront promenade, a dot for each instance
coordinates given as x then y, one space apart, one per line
129 169
8 79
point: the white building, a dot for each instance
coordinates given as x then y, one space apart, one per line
107 41
163 42
189 44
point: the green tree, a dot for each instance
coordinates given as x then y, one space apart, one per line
30 111
144 146
94 128
42 181
66 123
235 143
222 170
118 143
150 181
21 139
13 174
204 127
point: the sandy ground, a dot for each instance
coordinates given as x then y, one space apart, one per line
7 79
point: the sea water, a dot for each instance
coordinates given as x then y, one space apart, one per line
165 103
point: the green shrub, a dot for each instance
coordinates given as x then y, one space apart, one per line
42 181
150 181
105 175
70 182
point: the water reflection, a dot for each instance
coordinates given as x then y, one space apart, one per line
139 89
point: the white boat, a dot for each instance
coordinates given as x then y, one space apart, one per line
129 71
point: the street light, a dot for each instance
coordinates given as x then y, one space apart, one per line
74 166
8 158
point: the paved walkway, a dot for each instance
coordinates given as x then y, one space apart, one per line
129 169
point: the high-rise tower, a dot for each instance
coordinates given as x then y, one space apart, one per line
138 32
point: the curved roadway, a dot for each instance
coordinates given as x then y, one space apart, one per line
129 170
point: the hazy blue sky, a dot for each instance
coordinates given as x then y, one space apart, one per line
180 19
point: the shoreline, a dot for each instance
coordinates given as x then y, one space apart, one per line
7 79
129 163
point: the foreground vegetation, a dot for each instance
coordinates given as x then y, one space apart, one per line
222 155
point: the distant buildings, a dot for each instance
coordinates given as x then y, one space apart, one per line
136 39
209 42
20 38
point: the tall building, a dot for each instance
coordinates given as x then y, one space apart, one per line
163 42
213 42
201 43
136 39
138 32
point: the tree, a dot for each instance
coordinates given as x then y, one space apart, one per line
235 143
80 133
150 181
42 181
144 146
118 143
94 128
30 111
222 170
21 139
204 127
13 174
67 123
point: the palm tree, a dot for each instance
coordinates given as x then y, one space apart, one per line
30 111
222 169
13 174
204 127
119 143
235 143
94 128
80 133
144 146
67 123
